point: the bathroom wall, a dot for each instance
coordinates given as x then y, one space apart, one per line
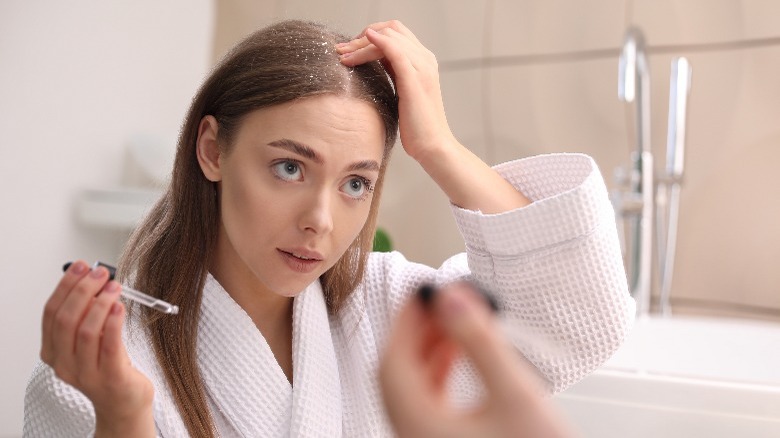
523 77
77 81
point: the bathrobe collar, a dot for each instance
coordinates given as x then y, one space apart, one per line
247 385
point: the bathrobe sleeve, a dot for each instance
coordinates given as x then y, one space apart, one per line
555 267
52 408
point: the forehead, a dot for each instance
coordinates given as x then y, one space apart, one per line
320 122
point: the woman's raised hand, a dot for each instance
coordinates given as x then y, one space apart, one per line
418 359
425 134
415 72
82 342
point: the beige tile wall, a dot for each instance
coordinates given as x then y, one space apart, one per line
538 76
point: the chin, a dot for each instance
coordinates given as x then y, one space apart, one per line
292 289
290 294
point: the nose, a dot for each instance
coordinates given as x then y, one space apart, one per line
317 214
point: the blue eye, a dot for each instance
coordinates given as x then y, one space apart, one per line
287 170
358 187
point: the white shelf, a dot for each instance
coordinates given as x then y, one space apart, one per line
115 208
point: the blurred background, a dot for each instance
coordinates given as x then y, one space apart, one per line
92 95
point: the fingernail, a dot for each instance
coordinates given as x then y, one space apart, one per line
97 272
340 45
453 304
113 287
426 293
346 55
78 268
111 270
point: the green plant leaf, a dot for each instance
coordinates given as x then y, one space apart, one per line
382 242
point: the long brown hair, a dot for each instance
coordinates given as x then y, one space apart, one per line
169 254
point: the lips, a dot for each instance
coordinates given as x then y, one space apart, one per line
300 256
303 254
300 260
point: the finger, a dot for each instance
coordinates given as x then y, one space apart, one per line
386 45
388 68
466 317
404 364
72 275
440 361
434 355
91 328
113 355
391 24
352 45
361 55
402 377
361 41
393 43
72 310
419 352
358 42
405 338
396 50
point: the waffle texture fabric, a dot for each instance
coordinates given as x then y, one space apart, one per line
555 267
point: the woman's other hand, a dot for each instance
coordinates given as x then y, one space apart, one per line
425 341
82 342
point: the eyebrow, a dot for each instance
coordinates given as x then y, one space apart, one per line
297 148
364 165
307 152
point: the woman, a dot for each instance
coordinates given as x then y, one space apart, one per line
263 242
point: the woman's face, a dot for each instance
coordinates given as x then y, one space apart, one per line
296 189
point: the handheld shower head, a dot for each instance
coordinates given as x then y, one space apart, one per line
632 59
680 89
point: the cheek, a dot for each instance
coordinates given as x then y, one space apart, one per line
243 205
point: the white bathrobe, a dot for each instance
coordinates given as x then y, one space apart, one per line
555 267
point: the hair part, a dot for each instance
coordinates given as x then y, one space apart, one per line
169 254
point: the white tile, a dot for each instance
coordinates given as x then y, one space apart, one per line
235 20
416 213
571 107
451 29
672 22
347 16
761 18
729 239
238 18
544 26
463 93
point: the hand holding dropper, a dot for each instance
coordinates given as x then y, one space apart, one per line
134 295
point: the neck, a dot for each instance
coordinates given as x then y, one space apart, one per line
271 312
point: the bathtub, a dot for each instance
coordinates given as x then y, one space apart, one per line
683 377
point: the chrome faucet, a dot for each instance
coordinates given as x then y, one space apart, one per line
640 191
636 203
